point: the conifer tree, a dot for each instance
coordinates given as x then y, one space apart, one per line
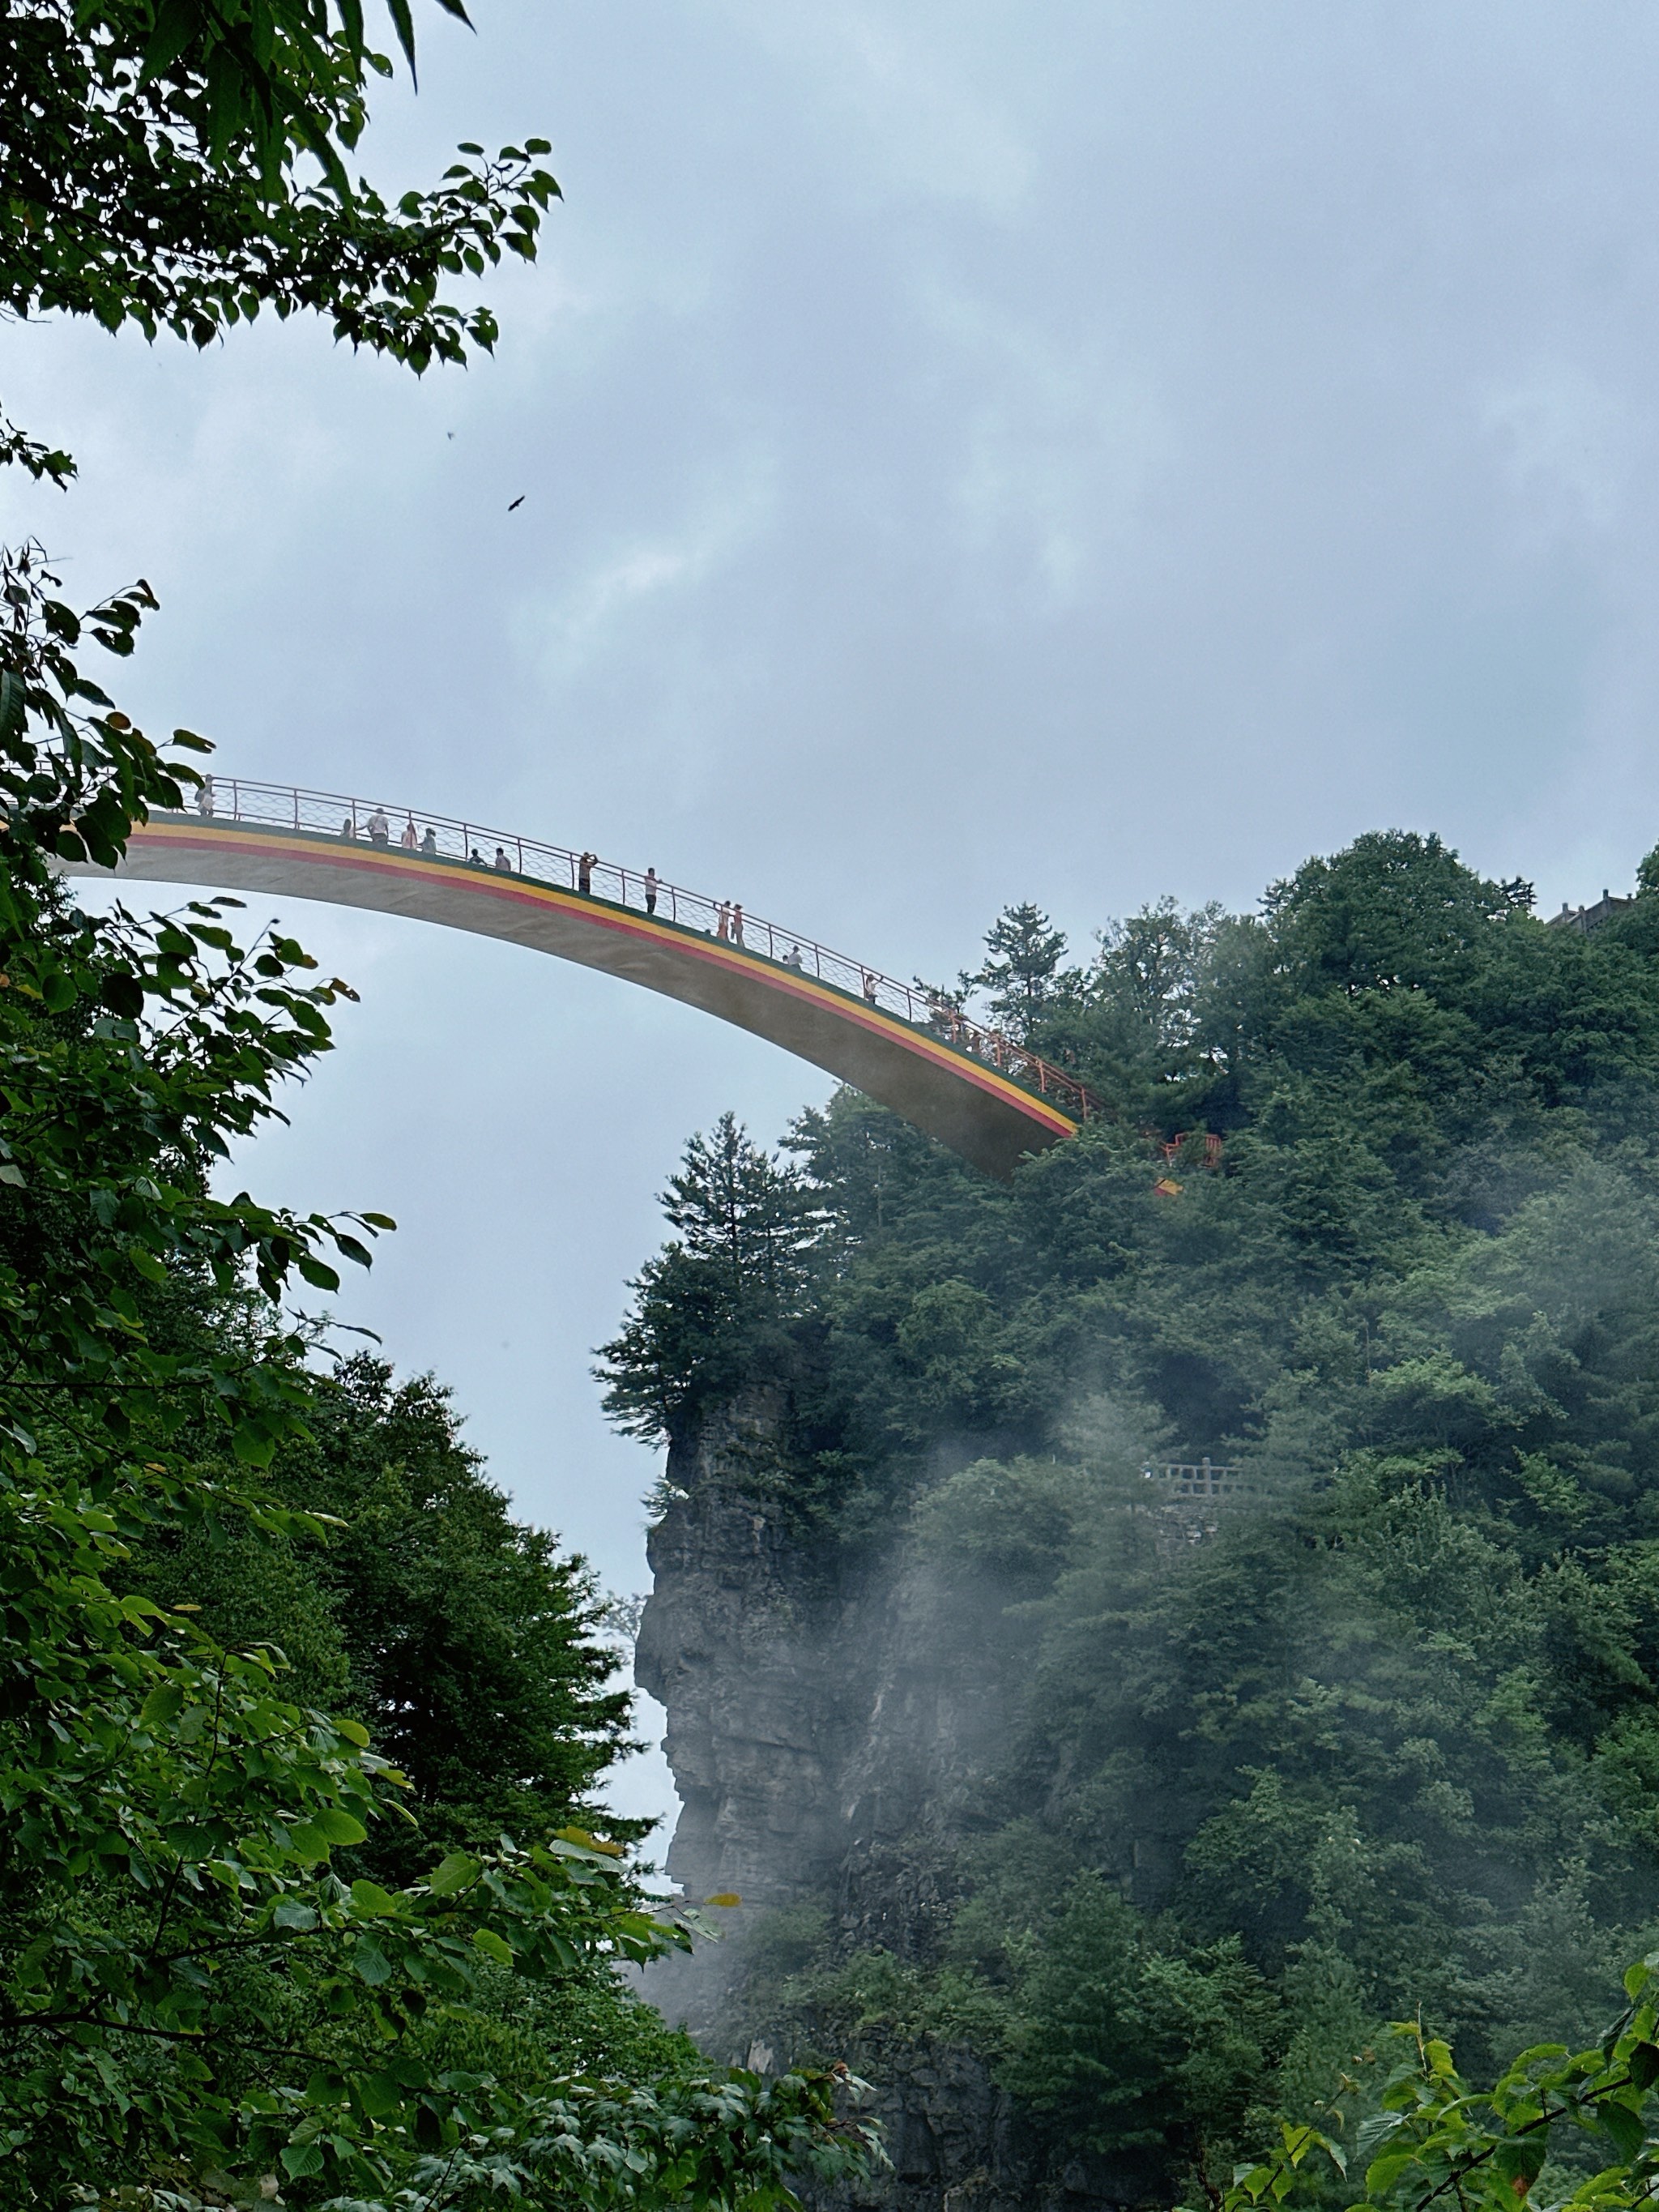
1021 971
735 1207
712 1311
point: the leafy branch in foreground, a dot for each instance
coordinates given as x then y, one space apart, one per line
1435 2141
151 164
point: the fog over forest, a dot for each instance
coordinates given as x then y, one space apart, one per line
1133 525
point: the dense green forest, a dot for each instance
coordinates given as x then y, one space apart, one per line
1387 1741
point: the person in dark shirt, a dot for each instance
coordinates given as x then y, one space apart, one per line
585 874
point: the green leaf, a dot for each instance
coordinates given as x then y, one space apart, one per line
339 1825
403 24
13 700
380 2095
1623 2125
493 1946
370 1963
458 1871
252 1444
371 1902
1522 2158
162 1706
1382 2172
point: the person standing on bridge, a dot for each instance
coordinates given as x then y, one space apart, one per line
651 890
585 873
205 799
723 922
737 925
429 844
503 866
793 959
410 838
869 988
379 829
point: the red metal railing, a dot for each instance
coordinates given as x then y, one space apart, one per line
443 837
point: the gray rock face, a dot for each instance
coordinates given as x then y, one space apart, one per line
827 1738
741 1648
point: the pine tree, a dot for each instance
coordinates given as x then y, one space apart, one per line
1022 971
712 1311
739 1210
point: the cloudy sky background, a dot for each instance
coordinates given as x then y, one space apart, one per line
970 452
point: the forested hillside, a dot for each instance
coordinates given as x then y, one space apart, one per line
1387 1738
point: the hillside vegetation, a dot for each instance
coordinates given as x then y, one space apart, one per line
1386 1741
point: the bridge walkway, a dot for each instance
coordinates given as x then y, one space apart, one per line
972 1088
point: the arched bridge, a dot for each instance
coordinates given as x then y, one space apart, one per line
974 1090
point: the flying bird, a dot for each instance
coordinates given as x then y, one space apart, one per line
515 502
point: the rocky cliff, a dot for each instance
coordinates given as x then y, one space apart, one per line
827 1729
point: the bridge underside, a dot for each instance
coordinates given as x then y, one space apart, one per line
974 1110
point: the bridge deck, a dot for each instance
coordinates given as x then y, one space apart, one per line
966 1090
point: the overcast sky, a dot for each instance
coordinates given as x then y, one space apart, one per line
970 452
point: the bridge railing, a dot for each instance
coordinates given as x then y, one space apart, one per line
446 837
1202 1479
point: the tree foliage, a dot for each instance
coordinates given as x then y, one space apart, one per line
1021 970
712 1309
151 161
1388 1737
1558 2127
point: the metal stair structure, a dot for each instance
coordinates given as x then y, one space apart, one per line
977 1091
